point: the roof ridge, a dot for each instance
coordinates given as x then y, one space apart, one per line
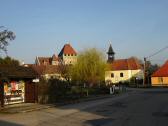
44 57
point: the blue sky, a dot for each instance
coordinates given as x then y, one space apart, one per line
134 27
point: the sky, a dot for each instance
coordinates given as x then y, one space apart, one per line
133 27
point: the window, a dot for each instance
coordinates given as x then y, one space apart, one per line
160 79
121 75
112 75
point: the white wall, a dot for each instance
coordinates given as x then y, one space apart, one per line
128 74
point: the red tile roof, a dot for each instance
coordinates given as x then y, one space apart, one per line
51 70
125 64
44 60
67 49
162 72
39 69
42 69
48 60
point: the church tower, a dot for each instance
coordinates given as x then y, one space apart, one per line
111 54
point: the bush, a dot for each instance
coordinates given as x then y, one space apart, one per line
55 90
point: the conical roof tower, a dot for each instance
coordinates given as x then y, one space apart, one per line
111 54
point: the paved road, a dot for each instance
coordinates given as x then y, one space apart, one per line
144 107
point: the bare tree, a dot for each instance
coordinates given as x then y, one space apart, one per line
65 71
5 37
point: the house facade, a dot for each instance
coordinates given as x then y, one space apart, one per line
122 70
160 77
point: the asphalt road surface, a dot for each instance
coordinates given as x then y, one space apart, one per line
142 107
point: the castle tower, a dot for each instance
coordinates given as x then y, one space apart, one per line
68 55
111 54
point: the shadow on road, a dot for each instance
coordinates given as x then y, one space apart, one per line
132 109
99 122
5 123
140 108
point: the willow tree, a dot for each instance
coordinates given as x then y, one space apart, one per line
90 67
5 37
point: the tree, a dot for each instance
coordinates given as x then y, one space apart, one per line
9 61
5 36
139 60
150 68
90 67
65 71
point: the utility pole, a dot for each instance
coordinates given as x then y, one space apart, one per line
145 63
144 78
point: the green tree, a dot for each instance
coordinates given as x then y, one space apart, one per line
9 61
5 37
90 67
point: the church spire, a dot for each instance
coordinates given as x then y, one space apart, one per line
111 54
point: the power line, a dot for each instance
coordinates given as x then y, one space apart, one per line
157 52
145 62
157 60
